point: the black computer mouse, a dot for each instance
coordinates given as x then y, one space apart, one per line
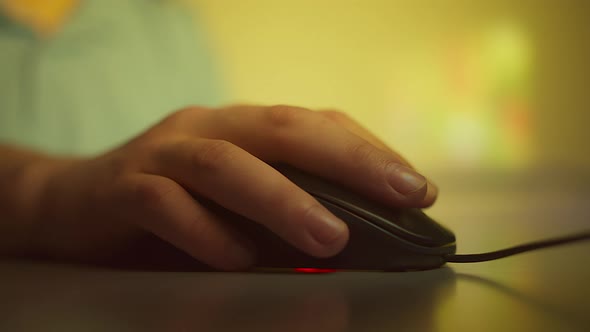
381 238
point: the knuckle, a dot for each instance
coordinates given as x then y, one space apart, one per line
152 194
365 153
120 164
214 154
284 116
147 156
362 151
336 116
180 117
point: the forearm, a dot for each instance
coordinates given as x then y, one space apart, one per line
22 175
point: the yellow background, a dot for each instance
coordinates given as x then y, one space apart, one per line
451 84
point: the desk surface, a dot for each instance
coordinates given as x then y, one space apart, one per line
543 291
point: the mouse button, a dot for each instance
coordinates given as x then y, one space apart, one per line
420 223
374 248
410 224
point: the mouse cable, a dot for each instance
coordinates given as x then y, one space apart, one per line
489 256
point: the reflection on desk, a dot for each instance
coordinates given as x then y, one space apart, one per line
74 298
540 291
42 296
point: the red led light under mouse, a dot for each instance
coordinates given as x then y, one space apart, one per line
313 270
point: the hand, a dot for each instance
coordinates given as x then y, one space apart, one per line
89 207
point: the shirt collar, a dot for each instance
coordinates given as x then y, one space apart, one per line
43 17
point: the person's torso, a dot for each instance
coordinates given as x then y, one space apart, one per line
115 68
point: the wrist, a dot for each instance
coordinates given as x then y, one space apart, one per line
28 186
35 179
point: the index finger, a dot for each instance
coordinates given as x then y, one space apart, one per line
311 142
241 183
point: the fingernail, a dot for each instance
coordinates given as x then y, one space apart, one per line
432 192
324 227
405 180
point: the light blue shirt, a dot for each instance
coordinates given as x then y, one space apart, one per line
115 68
